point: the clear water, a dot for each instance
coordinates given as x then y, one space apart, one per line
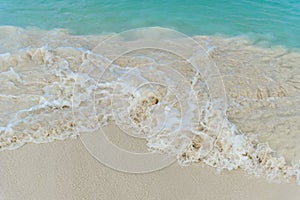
274 21
50 77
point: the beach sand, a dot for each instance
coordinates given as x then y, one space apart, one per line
65 170
37 106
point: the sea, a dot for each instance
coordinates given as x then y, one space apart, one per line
215 83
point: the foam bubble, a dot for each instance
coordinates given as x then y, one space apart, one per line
159 95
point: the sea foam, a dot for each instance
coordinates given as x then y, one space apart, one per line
53 86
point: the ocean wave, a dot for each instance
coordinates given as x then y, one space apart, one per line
45 74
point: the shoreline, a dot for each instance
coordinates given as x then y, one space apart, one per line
260 83
257 40
65 170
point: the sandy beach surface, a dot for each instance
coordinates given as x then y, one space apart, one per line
65 170
238 110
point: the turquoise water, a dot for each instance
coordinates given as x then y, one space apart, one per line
275 21
225 103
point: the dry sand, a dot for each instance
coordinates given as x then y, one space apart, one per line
264 82
65 170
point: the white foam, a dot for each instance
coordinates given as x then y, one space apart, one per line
177 114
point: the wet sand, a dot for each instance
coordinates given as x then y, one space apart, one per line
261 135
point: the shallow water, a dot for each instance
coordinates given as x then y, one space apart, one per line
230 101
265 21
55 85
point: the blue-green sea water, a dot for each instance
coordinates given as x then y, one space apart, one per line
217 99
274 21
